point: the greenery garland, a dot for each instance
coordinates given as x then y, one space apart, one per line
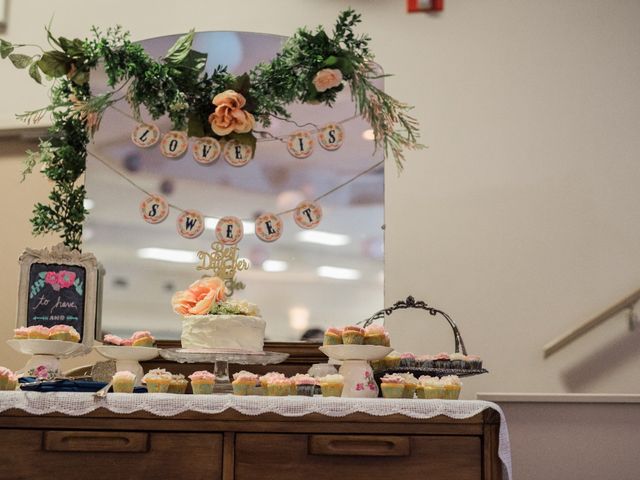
312 67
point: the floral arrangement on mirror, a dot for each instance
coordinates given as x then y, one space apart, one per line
312 67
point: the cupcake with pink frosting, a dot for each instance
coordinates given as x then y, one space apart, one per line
157 380
65 333
21 333
353 335
112 339
375 335
332 336
38 332
305 384
442 360
142 339
244 383
6 379
202 382
392 386
408 360
268 377
279 387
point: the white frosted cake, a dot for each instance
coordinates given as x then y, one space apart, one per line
210 321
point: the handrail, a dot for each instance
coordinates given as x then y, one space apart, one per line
575 333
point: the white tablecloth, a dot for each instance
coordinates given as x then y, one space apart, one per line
295 406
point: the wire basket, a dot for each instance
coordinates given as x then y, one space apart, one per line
439 371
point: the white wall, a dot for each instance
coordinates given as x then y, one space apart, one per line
520 220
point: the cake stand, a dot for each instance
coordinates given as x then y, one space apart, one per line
128 358
357 373
45 356
221 357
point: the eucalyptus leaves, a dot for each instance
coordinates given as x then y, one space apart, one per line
312 67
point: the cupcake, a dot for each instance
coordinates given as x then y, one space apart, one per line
375 335
410 384
425 362
21 333
244 383
278 387
331 385
126 342
38 332
142 339
429 387
452 386
75 336
202 382
178 384
475 362
305 384
377 365
123 381
353 335
5 378
268 377
332 336
442 360
157 380
458 360
112 340
12 382
60 332
392 360
392 386
408 360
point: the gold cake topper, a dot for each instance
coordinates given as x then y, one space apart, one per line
223 261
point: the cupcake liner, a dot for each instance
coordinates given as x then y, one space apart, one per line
352 338
157 387
374 340
332 340
409 390
331 389
278 390
305 390
123 387
202 388
392 390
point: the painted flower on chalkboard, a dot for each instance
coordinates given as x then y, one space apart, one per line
66 278
51 278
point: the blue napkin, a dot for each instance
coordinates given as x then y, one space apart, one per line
30 384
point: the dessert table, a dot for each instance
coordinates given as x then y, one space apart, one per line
233 437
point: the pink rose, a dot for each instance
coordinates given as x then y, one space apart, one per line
51 278
42 371
66 278
327 78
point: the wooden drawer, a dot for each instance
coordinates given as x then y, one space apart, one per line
355 457
74 454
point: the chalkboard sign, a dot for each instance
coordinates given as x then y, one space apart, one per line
56 295
60 286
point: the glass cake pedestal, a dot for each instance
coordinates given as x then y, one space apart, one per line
221 357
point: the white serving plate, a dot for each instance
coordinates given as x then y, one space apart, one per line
56 348
136 354
356 352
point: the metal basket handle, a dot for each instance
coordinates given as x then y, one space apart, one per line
410 302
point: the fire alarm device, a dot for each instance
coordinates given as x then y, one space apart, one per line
425 6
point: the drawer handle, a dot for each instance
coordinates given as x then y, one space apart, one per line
72 441
360 445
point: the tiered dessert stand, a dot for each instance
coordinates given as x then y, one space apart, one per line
45 355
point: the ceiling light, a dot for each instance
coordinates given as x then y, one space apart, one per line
338 273
88 204
274 266
368 135
168 255
323 238
299 318
248 227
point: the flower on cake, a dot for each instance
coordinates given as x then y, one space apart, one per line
229 116
200 297
327 78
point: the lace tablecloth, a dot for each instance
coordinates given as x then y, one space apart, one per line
167 405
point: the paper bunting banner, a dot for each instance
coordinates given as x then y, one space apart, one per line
145 135
229 230
205 150
331 136
308 214
268 227
154 209
237 154
190 224
300 144
174 144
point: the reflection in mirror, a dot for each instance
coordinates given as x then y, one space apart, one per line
331 275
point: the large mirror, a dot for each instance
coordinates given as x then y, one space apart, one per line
307 279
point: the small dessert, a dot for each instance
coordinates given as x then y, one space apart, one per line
278 387
268 377
202 382
475 362
410 384
126 342
6 376
452 386
12 382
61 332
353 335
332 336
458 360
178 384
244 383
123 381
305 384
392 360
392 386
142 339
75 336
375 335
38 332
157 380
377 365
112 339
331 385
442 360
429 387
425 362
408 360
21 333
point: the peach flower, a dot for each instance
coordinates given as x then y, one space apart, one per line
199 297
327 78
229 116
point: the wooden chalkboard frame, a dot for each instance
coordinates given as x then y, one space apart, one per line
61 255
